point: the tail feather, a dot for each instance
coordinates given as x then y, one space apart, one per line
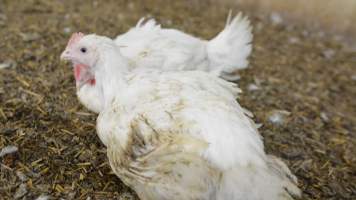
138 34
289 181
256 182
229 50
150 24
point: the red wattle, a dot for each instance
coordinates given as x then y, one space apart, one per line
78 68
81 74
77 71
92 81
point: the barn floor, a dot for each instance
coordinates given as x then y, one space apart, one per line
304 79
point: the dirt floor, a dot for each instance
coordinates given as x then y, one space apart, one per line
301 86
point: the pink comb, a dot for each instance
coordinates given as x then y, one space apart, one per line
75 38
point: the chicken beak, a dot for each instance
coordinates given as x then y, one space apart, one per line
65 55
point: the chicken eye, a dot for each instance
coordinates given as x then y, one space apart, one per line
83 50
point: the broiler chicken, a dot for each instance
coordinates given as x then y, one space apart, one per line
178 135
148 46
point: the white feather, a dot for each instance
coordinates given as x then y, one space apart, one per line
89 96
230 49
182 135
171 49
148 46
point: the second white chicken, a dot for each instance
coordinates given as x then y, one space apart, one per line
148 46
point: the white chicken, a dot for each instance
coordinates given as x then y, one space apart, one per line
178 135
149 46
